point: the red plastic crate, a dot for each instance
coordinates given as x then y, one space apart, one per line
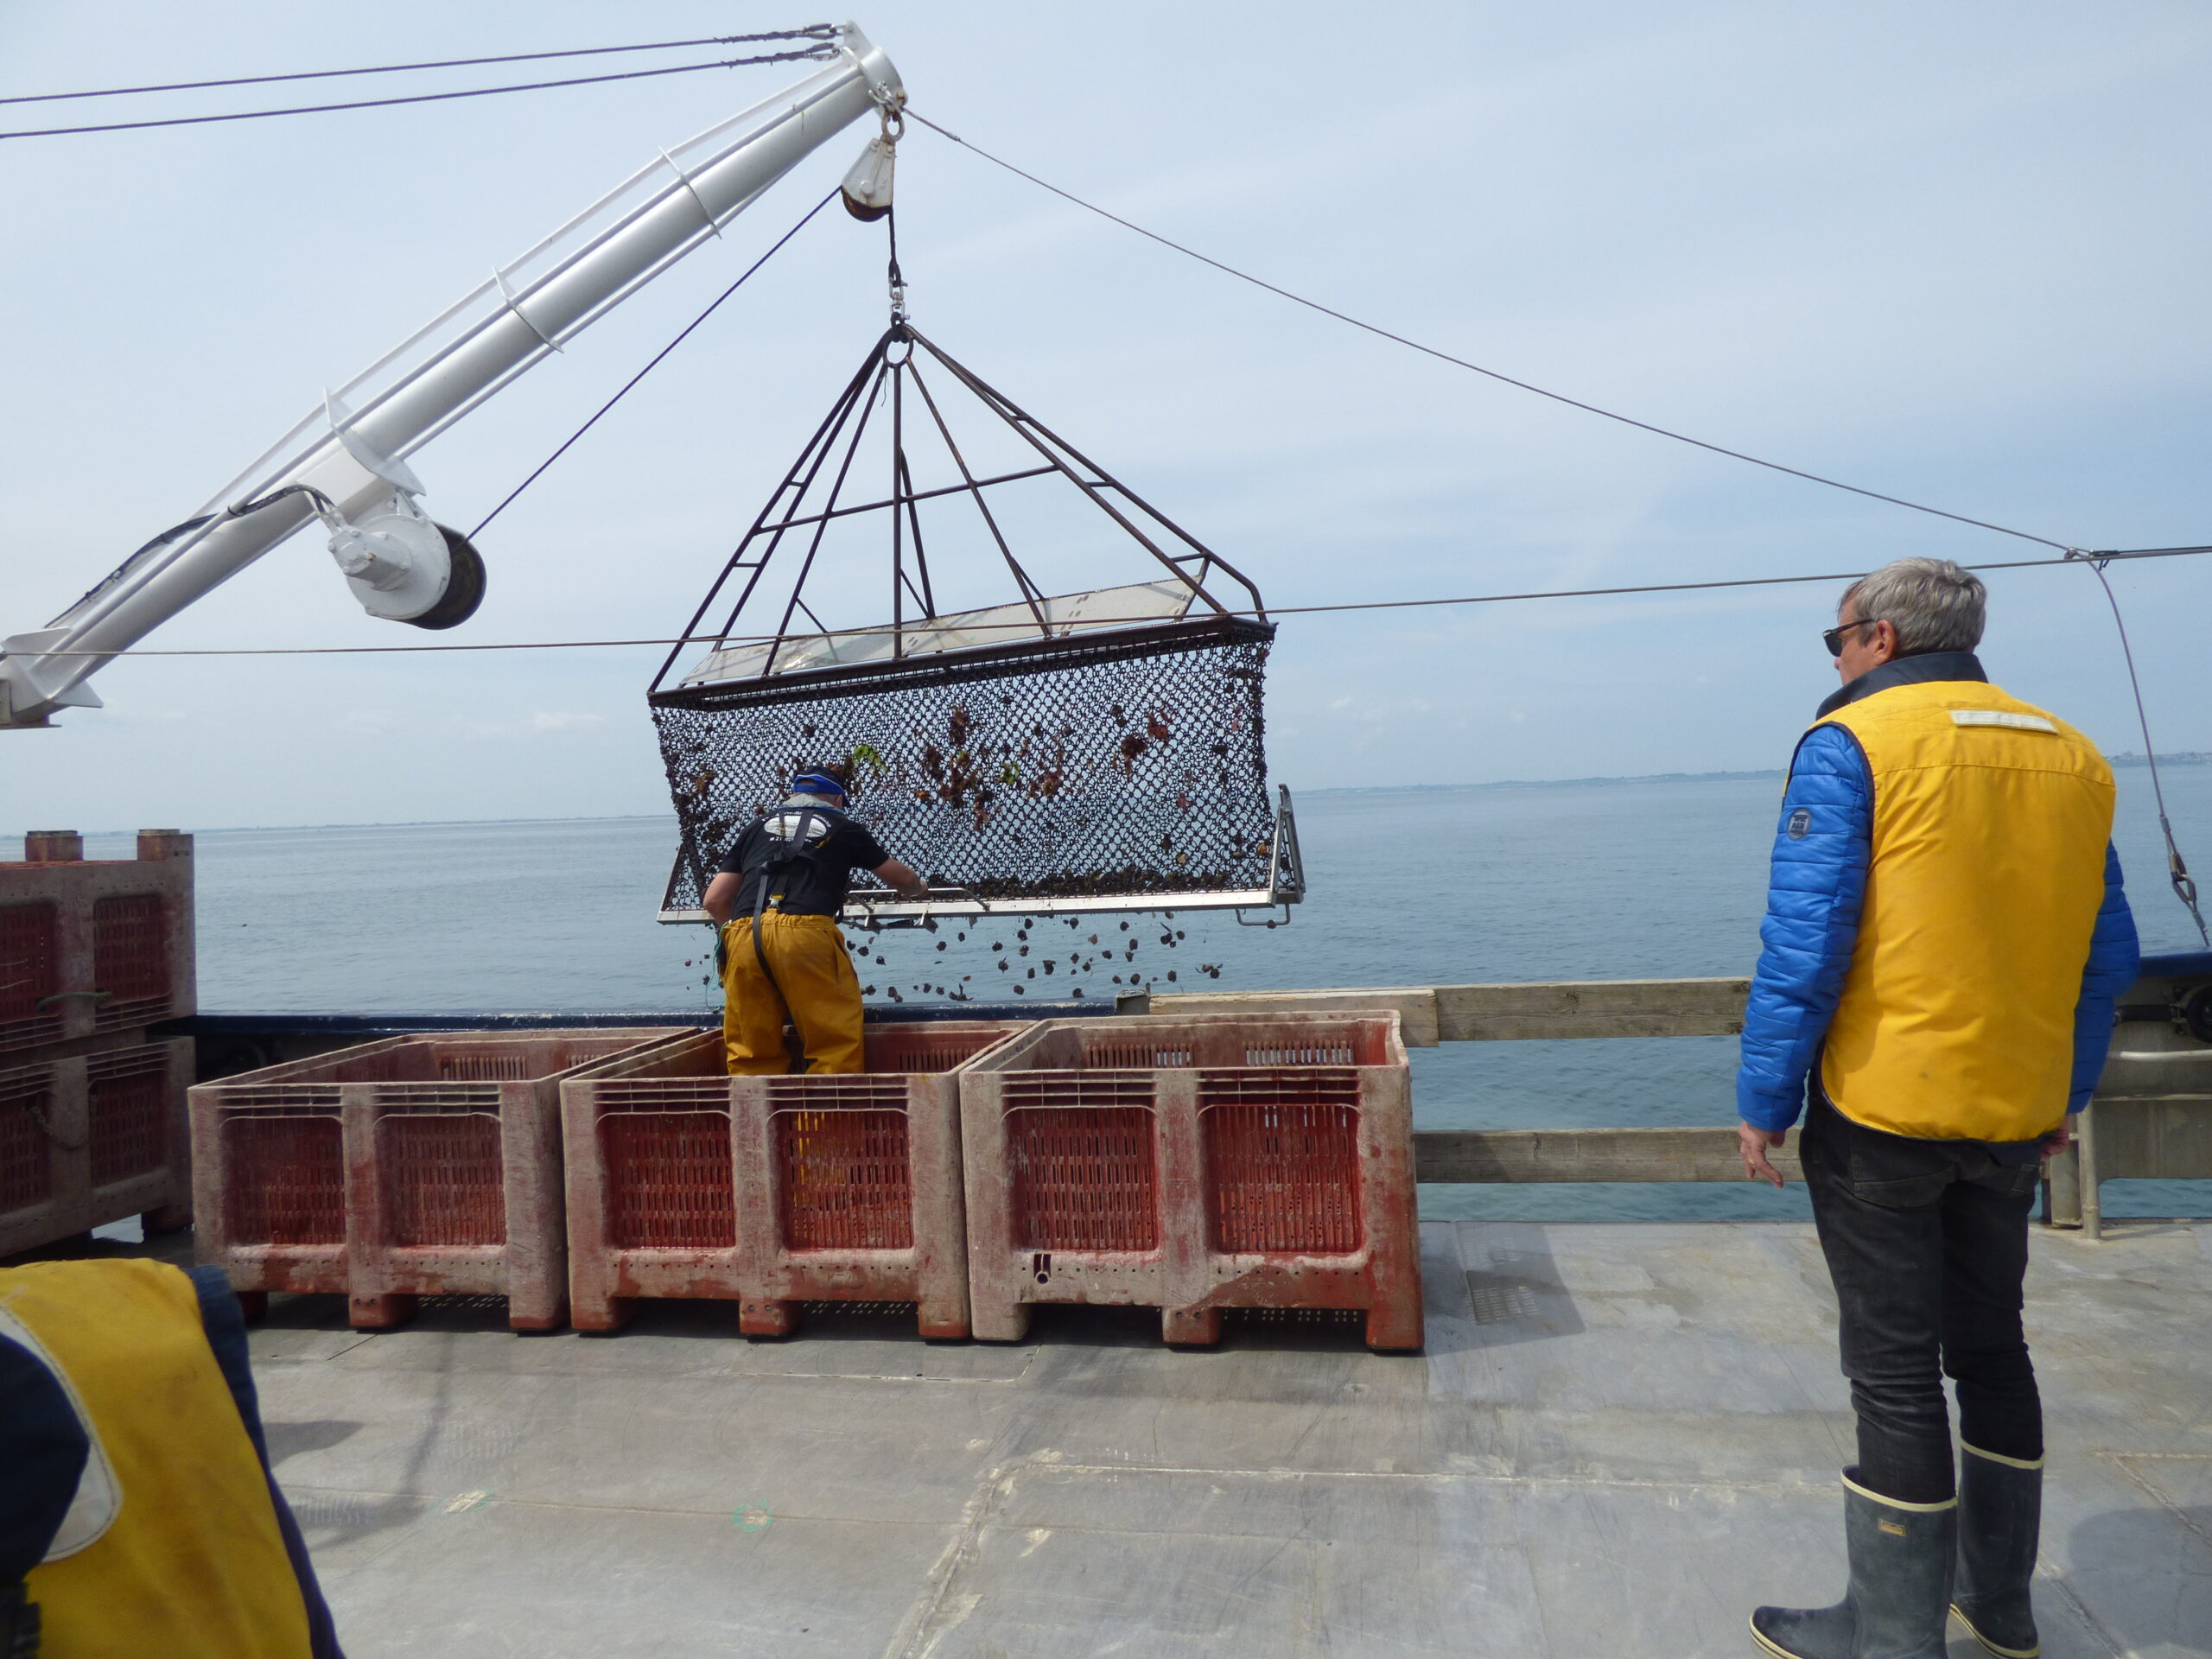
131 1116
93 951
30 974
296 1160
131 960
413 1166
1194 1164
86 1140
769 1191
30 1101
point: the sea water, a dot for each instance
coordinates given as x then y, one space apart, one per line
1636 879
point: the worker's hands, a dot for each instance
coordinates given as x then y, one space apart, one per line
1753 1142
2060 1138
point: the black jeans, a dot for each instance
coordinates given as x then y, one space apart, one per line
1927 1241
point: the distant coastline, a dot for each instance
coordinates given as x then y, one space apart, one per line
1771 773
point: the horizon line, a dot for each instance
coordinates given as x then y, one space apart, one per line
2124 756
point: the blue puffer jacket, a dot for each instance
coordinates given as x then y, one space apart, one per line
1812 924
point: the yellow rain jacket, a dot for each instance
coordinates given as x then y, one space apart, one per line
1991 820
1947 926
171 1540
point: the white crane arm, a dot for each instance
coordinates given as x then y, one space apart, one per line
346 461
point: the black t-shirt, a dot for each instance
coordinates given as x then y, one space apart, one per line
816 885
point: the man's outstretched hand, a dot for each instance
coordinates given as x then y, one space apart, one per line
1753 1142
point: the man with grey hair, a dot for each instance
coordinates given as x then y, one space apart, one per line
1945 934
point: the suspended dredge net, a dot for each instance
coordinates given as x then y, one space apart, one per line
1098 767
1106 747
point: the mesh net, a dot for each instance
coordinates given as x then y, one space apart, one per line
1053 747
1087 767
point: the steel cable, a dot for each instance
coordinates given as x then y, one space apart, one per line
1272 611
822 31
1461 362
810 54
632 382
2178 875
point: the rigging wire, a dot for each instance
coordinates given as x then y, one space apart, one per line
2185 884
1271 611
1461 362
810 54
630 384
809 32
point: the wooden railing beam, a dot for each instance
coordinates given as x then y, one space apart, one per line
1516 1156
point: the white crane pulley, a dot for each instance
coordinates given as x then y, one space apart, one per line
346 463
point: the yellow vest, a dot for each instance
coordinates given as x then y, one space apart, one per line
1991 820
180 1556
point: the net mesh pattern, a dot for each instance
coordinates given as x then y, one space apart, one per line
1089 770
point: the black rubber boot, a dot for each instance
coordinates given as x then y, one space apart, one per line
1900 1592
2001 1518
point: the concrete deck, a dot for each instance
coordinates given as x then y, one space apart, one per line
1620 1437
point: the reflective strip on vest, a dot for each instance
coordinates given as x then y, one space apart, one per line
1990 824
2002 718
93 1507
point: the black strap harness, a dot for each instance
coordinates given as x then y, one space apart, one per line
775 858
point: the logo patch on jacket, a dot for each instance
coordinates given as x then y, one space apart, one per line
1800 822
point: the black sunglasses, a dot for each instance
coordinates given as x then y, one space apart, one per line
1833 638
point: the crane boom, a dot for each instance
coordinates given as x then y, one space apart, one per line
345 461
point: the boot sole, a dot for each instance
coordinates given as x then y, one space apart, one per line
1779 1651
1986 1645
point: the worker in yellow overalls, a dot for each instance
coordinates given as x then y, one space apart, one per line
775 901
138 1517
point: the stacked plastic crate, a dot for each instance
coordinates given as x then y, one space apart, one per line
1194 1165
772 1191
417 1166
92 1111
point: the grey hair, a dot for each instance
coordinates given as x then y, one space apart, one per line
1933 604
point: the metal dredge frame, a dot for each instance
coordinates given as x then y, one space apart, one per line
1119 767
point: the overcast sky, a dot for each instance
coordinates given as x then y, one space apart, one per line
1955 253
